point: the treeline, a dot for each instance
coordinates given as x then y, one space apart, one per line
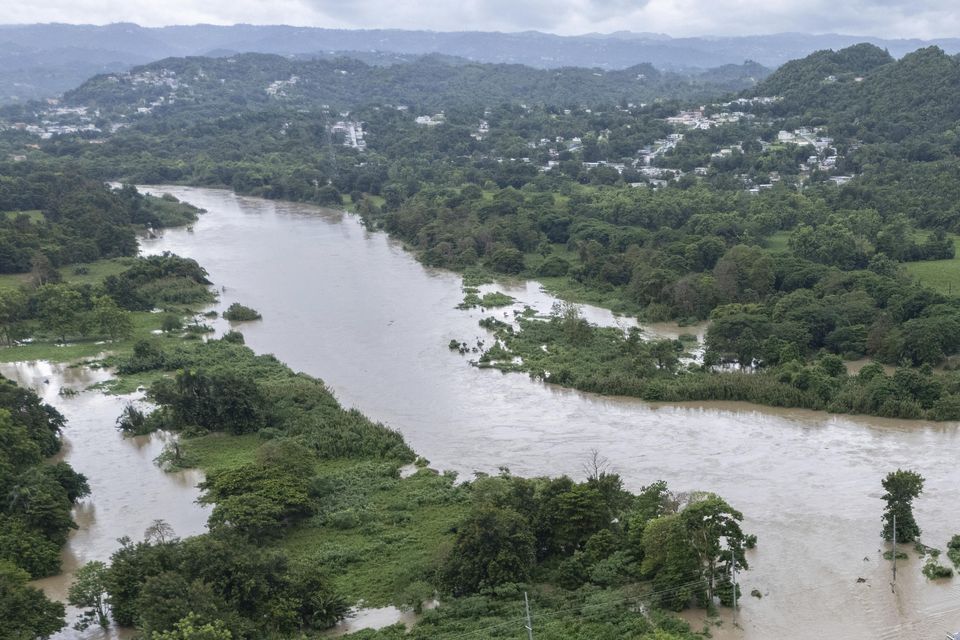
595 533
35 514
691 253
61 310
53 218
216 585
565 349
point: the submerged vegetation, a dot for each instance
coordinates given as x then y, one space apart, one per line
83 314
953 551
565 349
237 312
472 299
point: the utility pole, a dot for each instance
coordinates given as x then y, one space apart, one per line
526 603
733 583
893 584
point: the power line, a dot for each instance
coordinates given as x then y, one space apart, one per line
894 583
733 582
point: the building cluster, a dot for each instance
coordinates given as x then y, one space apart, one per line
160 78
826 157
660 147
278 88
58 120
431 121
352 133
751 102
483 129
806 136
700 119
159 102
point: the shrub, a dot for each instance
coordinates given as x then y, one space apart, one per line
953 550
171 322
234 337
553 267
506 260
237 312
132 421
935 571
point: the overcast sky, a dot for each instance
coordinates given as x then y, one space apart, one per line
882 18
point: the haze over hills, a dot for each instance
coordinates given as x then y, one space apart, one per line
42 60
432 83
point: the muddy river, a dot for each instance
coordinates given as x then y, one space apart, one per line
352 307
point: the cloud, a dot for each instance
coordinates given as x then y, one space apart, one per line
882 18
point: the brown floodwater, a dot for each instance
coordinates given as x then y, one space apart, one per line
128 491
352 307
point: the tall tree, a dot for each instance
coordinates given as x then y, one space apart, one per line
669 558
493 546
60 310
89 593
711 522
901 489
112 321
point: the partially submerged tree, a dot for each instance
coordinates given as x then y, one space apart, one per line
89 593
901 488
711 522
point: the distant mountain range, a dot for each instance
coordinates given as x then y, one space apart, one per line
42 60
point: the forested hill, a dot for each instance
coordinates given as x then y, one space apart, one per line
799 77
430 82
863 92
